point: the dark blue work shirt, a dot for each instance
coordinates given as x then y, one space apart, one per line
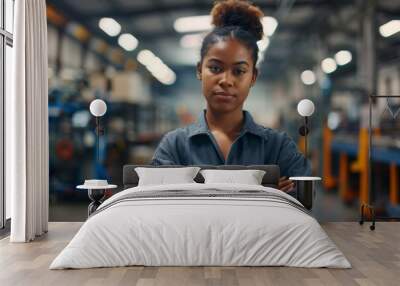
256 145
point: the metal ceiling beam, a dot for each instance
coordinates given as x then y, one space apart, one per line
86 19
199 6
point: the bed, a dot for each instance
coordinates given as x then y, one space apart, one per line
198 224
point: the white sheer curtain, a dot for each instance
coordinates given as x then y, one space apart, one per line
27 124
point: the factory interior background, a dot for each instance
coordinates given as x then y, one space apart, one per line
140 58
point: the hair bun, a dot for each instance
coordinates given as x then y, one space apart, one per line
238 13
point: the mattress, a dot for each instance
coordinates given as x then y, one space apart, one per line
201 225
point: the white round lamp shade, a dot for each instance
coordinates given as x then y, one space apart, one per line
305 107
98 107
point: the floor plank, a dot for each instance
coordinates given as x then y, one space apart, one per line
375 257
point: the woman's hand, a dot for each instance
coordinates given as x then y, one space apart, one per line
285 184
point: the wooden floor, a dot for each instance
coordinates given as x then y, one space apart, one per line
375 257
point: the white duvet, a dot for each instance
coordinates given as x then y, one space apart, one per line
185 231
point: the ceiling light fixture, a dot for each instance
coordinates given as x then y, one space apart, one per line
328 65
110 26
191 41
390 28
203 23
343 57
156 67
269 25
263 44
128 42
308 77
193 24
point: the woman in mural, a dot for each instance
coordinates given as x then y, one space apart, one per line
225 133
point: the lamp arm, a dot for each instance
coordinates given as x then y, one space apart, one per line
98 139
305 136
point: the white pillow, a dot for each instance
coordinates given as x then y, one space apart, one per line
248 177
163 176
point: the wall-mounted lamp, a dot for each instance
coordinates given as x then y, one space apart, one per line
98 108
305 108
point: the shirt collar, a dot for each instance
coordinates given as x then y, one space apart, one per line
201 127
